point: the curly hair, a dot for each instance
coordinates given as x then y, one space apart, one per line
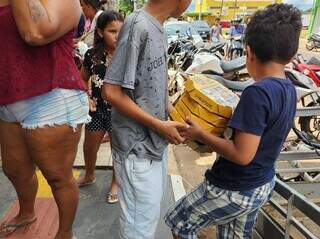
273 33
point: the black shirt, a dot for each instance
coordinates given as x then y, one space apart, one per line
97 69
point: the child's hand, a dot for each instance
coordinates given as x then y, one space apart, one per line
92 105
171 130
193 131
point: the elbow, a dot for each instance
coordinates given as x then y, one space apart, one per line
242 160
33 39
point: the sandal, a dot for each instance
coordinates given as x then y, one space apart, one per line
83 184
112 198
7 229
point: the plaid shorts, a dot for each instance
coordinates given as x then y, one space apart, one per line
234 212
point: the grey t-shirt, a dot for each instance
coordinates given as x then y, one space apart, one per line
139 66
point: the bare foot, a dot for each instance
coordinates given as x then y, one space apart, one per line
86 181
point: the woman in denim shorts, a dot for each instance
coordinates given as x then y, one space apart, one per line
42 105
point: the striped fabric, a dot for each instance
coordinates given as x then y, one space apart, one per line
233 212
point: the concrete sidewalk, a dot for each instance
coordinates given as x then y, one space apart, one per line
95 218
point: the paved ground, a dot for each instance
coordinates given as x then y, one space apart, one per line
95 218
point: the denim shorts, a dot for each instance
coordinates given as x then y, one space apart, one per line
57 107
142 184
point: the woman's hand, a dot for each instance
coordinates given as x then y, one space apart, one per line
193 131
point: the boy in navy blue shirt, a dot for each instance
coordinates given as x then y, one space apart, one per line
242 178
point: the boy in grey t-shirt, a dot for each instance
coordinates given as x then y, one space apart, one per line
136 87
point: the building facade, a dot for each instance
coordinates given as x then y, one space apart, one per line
231 9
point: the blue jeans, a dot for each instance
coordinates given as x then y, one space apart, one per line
141 188
57 107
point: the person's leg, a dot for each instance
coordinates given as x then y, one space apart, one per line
147 182
20 169
54 150
112 196
91 145
240 227
140 193
209 205
126 199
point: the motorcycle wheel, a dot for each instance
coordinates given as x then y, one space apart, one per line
311 124
310 45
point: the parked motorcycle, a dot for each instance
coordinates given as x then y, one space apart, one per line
313 42
236 47
310 68
204 62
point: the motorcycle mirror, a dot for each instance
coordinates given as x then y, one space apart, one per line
189 35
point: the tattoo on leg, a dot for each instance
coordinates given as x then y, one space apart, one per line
36 9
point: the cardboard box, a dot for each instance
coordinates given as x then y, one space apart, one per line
196 146
174 115
211 95
203 113
184 112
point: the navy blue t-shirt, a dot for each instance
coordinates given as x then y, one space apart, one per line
266 109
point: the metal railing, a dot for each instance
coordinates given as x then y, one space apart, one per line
268 227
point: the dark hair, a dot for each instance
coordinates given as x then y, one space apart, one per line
105 18
96 4
273 33
217 19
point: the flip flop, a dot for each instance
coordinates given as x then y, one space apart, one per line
80 185
112 198
8 229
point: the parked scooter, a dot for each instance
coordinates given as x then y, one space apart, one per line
236 47
204 62
313 42
310 68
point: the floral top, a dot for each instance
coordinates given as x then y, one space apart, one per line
97 70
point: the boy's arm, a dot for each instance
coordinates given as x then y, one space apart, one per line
117 97
249 121
241 150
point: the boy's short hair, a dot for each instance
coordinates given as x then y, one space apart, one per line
273 33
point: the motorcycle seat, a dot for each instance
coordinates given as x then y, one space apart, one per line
232 85
316 37
234 65
217 46
313 61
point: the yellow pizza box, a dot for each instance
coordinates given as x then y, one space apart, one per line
174 115
211 95
184 112
196 146
202 112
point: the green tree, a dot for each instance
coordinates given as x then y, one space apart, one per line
127 5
